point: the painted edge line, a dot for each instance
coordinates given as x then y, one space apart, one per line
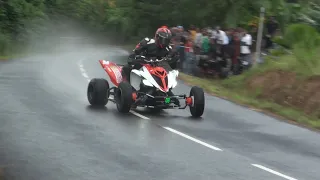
192 139
139 115
273 172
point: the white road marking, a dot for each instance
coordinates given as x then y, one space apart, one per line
85 75
192 139
273 172
83 71
139 115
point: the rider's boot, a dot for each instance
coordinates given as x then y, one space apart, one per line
141 100
126 73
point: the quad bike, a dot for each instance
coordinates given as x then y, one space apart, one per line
150 86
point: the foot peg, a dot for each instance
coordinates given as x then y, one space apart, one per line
141 99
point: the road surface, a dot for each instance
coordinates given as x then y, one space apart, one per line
49 132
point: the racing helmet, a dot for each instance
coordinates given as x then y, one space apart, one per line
163 37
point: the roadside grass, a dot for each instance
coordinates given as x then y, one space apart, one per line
7 57
17 52
12 56
233 89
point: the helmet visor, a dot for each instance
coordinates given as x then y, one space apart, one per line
164 40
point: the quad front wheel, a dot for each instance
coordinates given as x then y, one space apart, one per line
97 92
198 101
123 97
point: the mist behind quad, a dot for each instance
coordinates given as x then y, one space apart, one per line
62 35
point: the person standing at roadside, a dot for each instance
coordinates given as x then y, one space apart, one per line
193 33
222 41
198 41
182 39
245 52
205 46
272 26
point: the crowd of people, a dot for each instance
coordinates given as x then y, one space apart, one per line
232 47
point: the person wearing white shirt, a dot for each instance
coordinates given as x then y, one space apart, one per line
214 32
222 40
245 52
221 37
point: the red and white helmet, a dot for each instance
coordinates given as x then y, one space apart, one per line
163 37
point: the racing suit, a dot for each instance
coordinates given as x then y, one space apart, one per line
148 48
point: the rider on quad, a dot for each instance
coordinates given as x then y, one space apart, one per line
152 48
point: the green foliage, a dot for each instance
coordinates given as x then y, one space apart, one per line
21 20
304 41
302 34
278 52
281 41
307 60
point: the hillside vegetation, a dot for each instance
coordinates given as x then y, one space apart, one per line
24 20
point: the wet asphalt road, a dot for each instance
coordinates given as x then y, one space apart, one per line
49 132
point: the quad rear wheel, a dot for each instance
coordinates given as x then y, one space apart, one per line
97 92
198 101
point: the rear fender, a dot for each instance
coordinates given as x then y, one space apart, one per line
113 70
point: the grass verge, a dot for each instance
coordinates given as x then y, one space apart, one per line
13 56
5 58
233 89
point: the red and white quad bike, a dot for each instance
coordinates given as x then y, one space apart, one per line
150 87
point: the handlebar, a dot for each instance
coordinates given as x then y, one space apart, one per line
144 59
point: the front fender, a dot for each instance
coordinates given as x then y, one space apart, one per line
172 78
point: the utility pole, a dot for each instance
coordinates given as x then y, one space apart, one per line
259 37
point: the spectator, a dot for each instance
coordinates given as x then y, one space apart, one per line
198 41
221 37
254 33
222 41
205 42
193 33
181 35
189 56
272 26
174 39
234 50
245 53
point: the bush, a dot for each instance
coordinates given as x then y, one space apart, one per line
308 60
302 34
278 52
281 41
